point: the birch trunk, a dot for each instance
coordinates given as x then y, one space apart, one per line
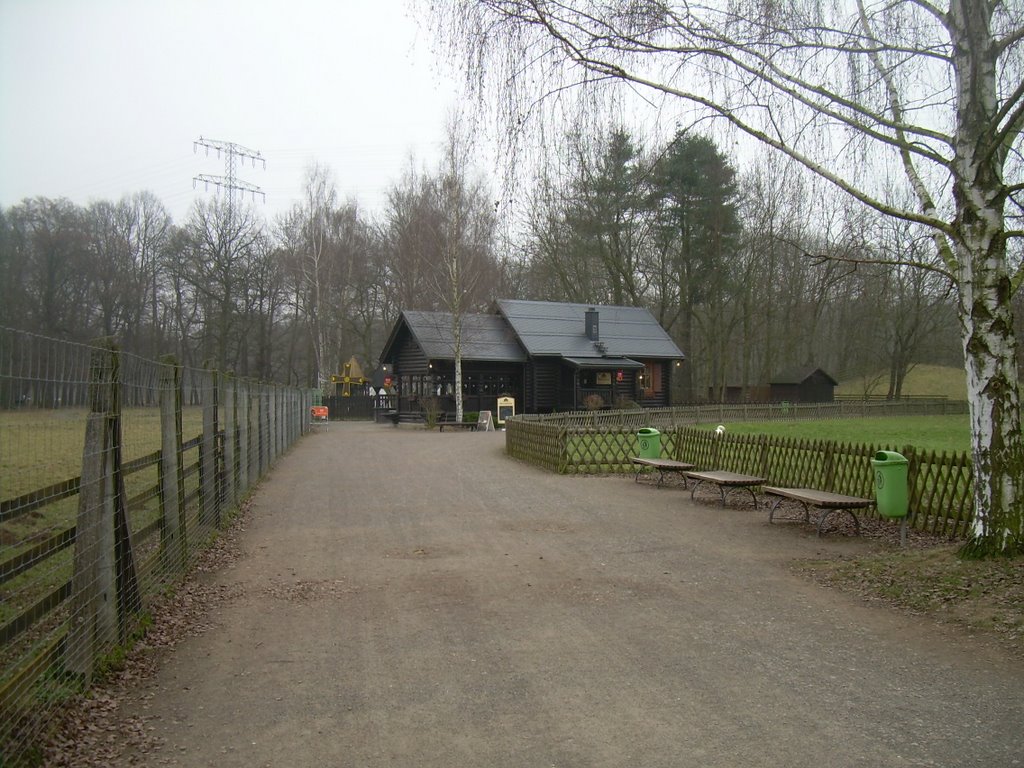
985 288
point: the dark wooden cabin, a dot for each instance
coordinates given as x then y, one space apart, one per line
547 355
420 354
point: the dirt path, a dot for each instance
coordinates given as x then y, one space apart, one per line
407 598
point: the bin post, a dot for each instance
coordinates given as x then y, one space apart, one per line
891 494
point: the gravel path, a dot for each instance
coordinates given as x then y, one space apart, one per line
408 598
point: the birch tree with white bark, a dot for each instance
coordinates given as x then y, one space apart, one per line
930 92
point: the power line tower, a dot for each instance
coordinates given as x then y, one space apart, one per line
229 182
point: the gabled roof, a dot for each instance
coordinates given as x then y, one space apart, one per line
484 337
800 375
558 328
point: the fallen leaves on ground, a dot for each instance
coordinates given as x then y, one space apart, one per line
982 596
95 729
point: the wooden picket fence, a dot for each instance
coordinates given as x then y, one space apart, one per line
940 485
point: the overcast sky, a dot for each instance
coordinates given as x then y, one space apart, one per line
100 98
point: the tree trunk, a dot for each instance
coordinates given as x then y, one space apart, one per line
990 352
985 290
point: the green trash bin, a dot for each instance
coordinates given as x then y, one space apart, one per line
650 443
891 483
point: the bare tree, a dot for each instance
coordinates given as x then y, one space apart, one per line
854 91
439 235
149 232
310 231
465 232
47 261
223 245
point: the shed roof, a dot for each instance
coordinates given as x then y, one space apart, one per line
800 375
558 328
484 337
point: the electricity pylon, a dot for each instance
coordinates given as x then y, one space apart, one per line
229 182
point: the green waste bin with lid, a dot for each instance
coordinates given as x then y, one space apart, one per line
891 483
650 443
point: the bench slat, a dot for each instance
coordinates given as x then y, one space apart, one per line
829 502
663 466
818 498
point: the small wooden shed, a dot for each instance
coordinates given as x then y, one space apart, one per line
803 385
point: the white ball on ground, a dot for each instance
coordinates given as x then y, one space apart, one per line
720 429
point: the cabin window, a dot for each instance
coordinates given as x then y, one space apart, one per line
651 378
486 384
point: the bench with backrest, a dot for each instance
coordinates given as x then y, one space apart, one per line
663 466
830 503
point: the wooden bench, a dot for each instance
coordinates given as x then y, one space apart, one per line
829 503
726 481
470 425
663 466
404 417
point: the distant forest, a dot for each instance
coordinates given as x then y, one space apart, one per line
751 273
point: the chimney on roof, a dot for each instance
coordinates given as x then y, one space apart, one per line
591 324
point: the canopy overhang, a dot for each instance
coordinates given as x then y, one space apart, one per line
603 363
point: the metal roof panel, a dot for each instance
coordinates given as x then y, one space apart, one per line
557 328
484 337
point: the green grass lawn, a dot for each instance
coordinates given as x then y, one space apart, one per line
922 381
933 433
40 447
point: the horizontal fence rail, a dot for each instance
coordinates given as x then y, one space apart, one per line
782 411
598 442
116 472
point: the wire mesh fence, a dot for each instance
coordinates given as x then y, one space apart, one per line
114 472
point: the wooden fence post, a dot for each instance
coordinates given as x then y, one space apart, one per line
764 469
272 415
208 506
104 587
254 432
913 491
263 430
173 533
230 384
243 407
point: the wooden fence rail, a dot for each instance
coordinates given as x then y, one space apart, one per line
719 412
74 592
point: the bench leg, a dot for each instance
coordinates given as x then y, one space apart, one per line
721 491
826 513
725 490
779 500
696 485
